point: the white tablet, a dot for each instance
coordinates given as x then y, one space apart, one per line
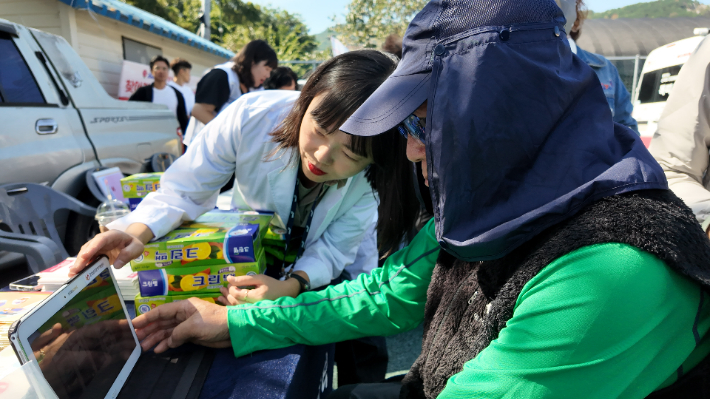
81 336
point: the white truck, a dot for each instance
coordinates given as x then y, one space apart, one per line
658 76
57 122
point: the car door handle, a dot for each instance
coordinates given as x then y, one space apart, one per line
46 126
16 191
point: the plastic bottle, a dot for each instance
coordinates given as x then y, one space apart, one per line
109 211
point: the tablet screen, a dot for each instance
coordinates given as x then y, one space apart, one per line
82 348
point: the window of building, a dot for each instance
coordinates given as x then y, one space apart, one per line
17 85
139 52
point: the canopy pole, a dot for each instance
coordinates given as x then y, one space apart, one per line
636 78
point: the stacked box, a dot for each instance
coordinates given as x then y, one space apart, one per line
215 238
275 235
199 279
144 304
222 217
198 256
136 187
274 242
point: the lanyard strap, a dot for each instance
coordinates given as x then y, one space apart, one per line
289 225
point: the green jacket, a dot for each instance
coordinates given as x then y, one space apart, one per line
661 314
388 301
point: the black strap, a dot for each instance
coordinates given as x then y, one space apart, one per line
301 282
182 386
289 227
178 374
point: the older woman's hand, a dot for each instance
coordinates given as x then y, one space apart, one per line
191 320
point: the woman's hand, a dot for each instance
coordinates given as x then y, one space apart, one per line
120 247
190 320
265 287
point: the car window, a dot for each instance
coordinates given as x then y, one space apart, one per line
53 46
657 85
17 85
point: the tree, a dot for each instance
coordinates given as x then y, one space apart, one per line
285 32
183 13
656 9
368 22
235 23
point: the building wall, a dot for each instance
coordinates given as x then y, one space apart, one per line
98 39
40 14
101 47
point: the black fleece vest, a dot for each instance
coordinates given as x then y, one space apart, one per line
469 303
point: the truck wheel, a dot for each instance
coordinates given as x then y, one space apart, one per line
80 228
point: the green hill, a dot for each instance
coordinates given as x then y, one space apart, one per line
323 39
656 9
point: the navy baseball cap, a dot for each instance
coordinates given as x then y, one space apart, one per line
407 88
519 135
438 22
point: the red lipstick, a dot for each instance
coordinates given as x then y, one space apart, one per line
315 170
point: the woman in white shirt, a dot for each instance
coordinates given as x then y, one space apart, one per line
282 145
224 83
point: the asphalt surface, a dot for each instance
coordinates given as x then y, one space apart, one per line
403 349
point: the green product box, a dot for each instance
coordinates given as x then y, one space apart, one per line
275 236
144 304
274 243
195 279
215 238
83 310
139 185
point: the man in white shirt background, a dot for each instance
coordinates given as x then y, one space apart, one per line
160 93
181 79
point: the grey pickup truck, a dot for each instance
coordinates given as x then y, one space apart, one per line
57 122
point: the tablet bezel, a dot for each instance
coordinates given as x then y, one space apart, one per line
32 321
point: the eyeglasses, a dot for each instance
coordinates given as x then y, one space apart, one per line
414 126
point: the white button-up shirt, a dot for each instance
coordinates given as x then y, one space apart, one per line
238 141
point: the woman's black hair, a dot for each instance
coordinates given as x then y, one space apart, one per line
280 77
178 64
253 53
345 82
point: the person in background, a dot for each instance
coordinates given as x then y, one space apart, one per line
682 139
181 77
282 78
616 94
159 92
393 45
222 85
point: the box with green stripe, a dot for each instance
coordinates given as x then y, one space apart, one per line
215 238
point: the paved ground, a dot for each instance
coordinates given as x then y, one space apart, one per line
403 350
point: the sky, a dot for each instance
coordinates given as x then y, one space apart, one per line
317 13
